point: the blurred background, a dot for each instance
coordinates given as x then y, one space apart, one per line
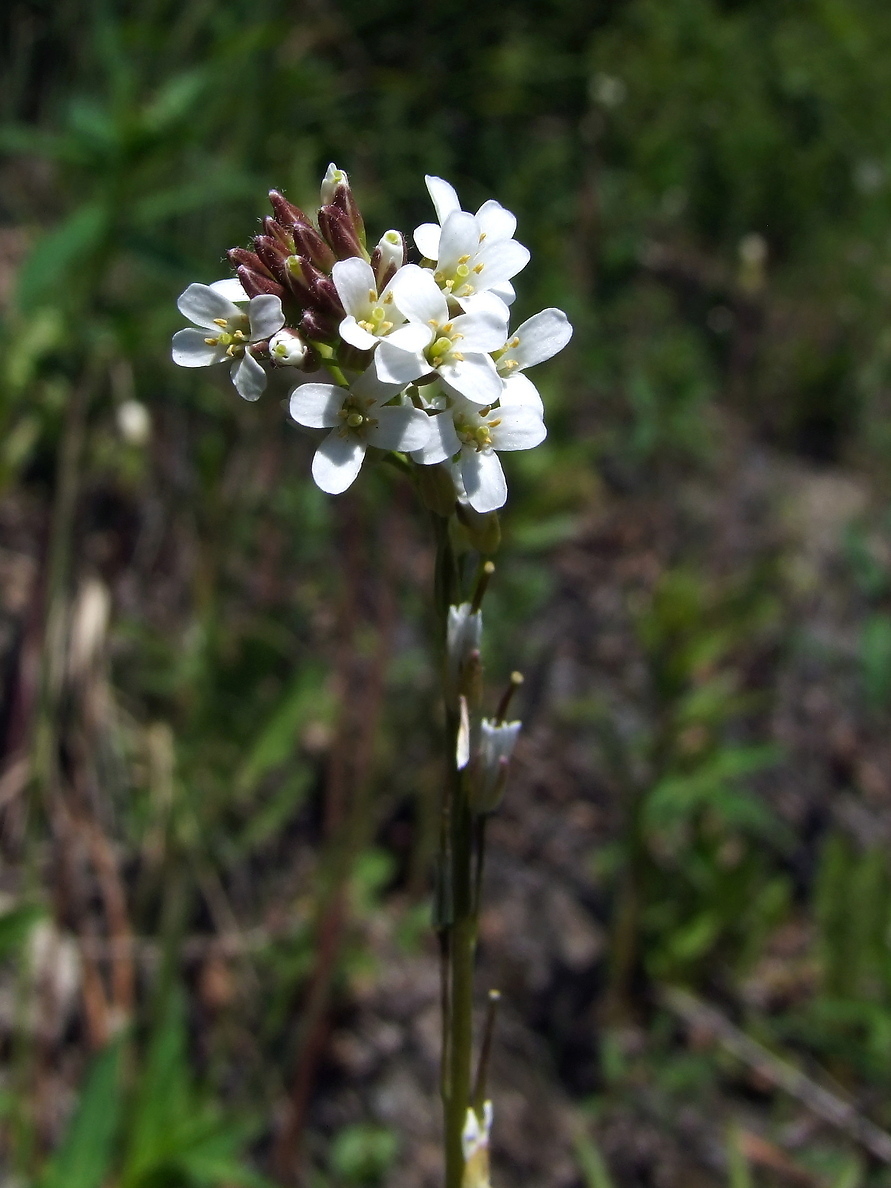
219 772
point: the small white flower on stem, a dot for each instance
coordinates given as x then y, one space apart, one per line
457 349
473 436
464 633
225 333
370 316
287 349
496 745
539 338
358 417
473 253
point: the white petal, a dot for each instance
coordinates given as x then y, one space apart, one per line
316 405
190 349
442 442
505 291
337 461
427 240
413 337
489 303
393 366
400 428
519 428
248 377
541 337
520 391
445 200
354 282
500 261
485 330
350 330
484 479
418 296
201 304
370 387
460 237
495 222
474 377
266 315
231 288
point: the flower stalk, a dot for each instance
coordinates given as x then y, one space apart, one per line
413 363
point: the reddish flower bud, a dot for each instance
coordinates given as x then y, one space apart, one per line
256 283
315 326
239 256
337 229
282 235
286 212
272 254
308 242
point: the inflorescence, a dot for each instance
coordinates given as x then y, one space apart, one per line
411 358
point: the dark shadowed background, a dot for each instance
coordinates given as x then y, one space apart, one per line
218 719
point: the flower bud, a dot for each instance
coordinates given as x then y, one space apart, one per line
464 633
279 233
255 284
287 349
250 259
333 178
272 254
286 212
491 763
388 257
308 242
315 327
338 230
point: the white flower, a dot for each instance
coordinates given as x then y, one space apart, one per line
369 316
473 253
358 417
539 338
496 745
464 632
287 349
456 348
332 179
233 330
475 435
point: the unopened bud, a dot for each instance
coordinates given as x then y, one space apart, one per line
308 242
491 763
249 259
280 234
388 257
287 349
464 633
272 254
338 230
315 327
475 1147
286 212
255 284
333 178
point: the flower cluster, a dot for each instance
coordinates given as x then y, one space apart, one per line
415 358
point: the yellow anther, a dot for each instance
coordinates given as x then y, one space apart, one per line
388 299
212 341
466 291
510 364
515 341
478 267
372 295
447 328
482 236
463 259
386 327
221 322
494 424
458 356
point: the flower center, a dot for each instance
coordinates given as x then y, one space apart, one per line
232 334
354 416
478 436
